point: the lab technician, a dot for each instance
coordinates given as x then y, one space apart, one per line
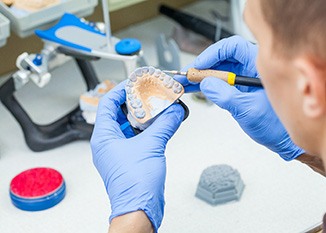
291 61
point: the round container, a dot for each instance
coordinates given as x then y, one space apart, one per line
37 189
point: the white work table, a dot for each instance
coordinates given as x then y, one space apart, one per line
279 196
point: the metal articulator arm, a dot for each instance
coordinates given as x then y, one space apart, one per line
69 128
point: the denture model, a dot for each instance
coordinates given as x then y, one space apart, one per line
34 5
88 101
149 92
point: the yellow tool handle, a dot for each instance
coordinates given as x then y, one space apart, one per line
197 76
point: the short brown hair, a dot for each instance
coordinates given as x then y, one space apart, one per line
297 25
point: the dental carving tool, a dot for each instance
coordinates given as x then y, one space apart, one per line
197 76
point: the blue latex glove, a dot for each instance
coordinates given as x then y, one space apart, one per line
133 168
249 106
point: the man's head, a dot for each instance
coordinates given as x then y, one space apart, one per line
291 35
297 26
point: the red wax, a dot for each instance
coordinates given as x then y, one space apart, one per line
36 182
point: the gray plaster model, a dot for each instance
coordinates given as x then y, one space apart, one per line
219 184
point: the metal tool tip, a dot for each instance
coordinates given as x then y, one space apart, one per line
170 71
174 72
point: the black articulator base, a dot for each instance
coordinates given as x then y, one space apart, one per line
69 128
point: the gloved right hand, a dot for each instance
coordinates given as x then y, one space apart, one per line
249 106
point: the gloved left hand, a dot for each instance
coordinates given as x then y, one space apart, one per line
133 168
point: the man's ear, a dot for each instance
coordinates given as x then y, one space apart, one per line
312 86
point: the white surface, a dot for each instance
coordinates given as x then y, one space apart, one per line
278 197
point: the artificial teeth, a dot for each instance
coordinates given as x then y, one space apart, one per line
157 73
145 70
129 90
136 103
168 82
162 77
129 83
151 70
139 72
177 88
143 108
131 96
133 77
140 113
